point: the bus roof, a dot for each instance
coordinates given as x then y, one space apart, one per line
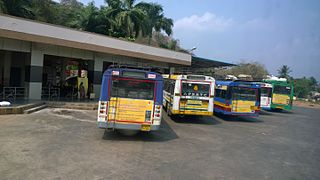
272 81
188 77
265 85
133 73
238 83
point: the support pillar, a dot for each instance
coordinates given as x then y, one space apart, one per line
6 68
35 75
97 76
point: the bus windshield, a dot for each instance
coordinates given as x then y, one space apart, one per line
193 89
131 88
266 92
278 89
243 93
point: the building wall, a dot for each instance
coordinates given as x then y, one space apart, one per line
35 60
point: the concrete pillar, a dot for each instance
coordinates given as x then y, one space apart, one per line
7 68
36 68
97 75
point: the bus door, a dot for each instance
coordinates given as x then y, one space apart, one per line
243 99
265 97
131 101
196 96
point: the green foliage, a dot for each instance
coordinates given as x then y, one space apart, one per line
284 72
303 86
123 19
255 69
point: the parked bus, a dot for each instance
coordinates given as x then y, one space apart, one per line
130 99
241 98
282 94
188 95
266 92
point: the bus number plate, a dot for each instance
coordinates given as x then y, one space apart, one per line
194 102
145 127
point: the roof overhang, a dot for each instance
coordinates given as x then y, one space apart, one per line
27 30
198 62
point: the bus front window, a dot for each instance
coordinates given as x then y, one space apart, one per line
282 90
134 89
242 93
192 89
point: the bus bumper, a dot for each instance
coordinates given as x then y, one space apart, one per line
186 112
236 113
104 125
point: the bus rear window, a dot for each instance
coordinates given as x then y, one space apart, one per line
242 93
192 89
132 89
266 92
281 89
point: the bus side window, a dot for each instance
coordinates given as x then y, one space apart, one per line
221 93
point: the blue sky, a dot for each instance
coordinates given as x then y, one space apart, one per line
272 32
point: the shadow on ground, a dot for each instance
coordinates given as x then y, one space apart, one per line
265 112
239 118
206 120
165 133
279 111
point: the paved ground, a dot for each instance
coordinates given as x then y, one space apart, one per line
66 144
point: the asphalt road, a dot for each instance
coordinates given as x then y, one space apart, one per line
66 144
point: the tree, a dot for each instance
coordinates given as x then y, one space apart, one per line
302 87
119 18
156 21
284 71
255 69
2 7
129 19
44 10
313 83
20 8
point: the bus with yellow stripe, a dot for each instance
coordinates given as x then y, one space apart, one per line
130 99
188 95
239 98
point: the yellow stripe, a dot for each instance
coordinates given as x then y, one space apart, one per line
221 104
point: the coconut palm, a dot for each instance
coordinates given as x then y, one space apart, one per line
129 19
284 71
156 21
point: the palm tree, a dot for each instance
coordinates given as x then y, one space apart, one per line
155 19
284 71
129 19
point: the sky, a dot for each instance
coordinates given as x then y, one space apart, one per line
272 32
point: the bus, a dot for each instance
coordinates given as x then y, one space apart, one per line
188 95
266 92
240 98
282 94
130 99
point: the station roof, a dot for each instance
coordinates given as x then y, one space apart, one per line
33 31
198 62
